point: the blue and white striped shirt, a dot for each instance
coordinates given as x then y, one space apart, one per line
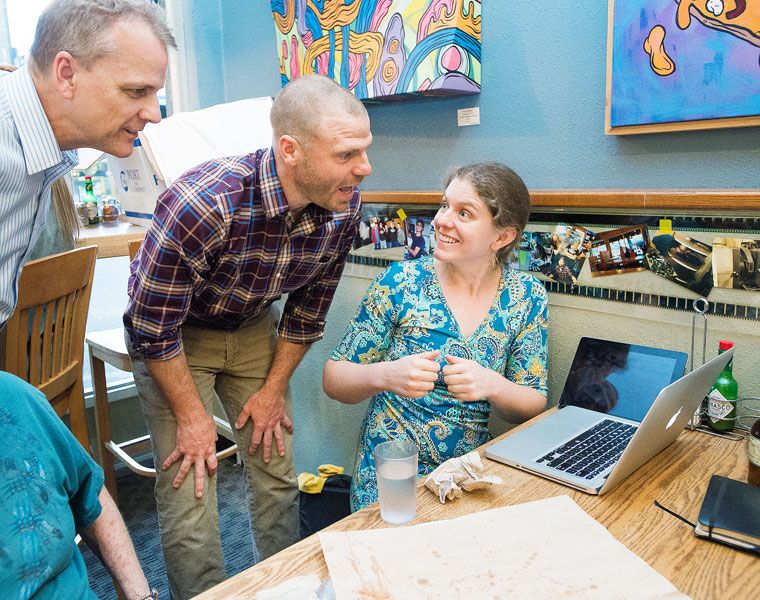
30 160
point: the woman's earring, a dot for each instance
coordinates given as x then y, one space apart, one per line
494 261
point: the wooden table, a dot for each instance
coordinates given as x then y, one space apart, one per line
111 239
677 478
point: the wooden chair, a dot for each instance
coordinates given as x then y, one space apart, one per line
108 347
44 338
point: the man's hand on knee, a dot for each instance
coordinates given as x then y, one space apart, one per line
266 409
196 447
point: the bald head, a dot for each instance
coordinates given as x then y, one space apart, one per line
302 104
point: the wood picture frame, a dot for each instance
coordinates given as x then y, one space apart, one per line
738 200
681 65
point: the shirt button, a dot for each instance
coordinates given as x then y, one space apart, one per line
278 275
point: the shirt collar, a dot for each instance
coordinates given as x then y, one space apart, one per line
39 146
272 195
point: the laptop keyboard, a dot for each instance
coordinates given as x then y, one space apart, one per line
591 452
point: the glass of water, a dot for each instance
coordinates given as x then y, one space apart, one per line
396 466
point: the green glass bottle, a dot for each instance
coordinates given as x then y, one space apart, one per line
721 401
90 202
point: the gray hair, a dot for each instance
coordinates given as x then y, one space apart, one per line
83 28
503 192
298 107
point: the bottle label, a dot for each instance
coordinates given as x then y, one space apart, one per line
718 407
92 213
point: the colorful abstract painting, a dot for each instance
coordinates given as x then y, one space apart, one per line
382 49
682 64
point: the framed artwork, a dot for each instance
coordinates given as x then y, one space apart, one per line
682 64
389 49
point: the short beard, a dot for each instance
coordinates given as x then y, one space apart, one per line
311 185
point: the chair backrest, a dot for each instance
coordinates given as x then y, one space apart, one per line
44 338
134 246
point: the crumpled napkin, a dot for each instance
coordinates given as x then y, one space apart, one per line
457 474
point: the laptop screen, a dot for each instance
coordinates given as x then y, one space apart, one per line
620 379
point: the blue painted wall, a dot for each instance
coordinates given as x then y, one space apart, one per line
542 106
542 112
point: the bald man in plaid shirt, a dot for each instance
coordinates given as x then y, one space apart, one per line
228 239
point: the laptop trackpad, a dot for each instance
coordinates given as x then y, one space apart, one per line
532 443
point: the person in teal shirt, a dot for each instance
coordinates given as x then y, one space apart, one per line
50 489
438 342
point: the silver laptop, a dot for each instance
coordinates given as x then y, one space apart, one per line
621 405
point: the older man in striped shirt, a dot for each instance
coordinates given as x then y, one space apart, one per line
95 68
229 238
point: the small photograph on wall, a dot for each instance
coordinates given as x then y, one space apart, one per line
683 260
386 232
381 233
570 245
533 253
736 263
619 251
420 237
682 64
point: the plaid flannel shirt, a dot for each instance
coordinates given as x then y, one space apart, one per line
223 246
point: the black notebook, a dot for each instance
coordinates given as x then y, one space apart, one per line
730 514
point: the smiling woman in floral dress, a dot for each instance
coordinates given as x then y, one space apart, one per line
438 342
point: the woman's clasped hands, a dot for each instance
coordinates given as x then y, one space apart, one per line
467 380
415 375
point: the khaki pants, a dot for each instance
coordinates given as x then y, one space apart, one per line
234 364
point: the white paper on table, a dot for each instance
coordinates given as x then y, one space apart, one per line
545 549
187 139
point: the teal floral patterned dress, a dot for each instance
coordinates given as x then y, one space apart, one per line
404 312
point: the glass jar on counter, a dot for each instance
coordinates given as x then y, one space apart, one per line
111 211
81 208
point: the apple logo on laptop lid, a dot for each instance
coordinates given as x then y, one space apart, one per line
673 418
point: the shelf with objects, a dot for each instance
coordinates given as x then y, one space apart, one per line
109 230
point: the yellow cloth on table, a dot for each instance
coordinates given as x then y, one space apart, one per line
313 484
